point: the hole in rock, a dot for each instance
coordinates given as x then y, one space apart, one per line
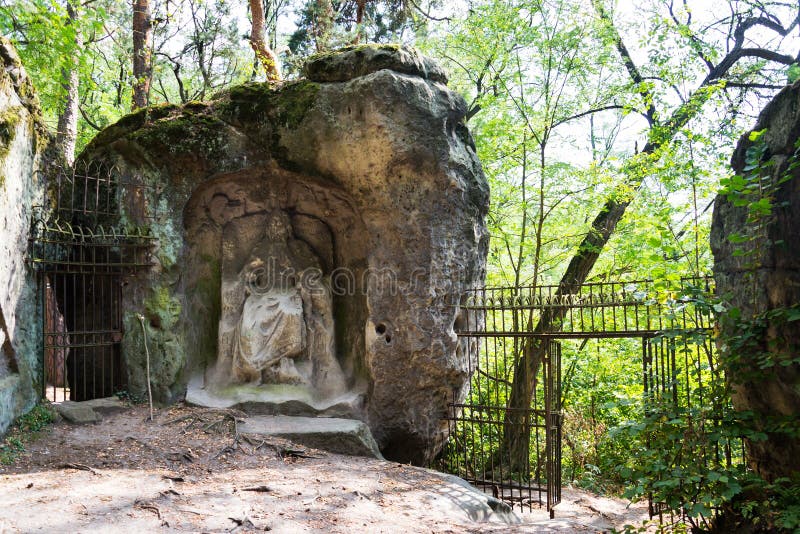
380 329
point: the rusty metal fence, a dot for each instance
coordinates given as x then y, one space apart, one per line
499 327
82 256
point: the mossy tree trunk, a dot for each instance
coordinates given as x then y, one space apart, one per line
67 134
258 40
142 55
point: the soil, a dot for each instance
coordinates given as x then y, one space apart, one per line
189 470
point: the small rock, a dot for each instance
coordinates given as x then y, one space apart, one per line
342 436
77 413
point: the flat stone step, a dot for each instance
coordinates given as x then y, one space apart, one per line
77 413
90 411
332 434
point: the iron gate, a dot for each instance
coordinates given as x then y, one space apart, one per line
482 426
500 327
82 259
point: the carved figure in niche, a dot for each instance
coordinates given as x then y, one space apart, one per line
284 333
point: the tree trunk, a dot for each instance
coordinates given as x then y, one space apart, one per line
142 55
67 134
360 8
515 442
323 24
258 41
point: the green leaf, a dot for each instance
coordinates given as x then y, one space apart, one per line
793 73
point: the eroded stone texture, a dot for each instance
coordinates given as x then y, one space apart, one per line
373 177
762 275
22 139
360 60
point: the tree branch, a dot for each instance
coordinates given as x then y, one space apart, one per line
87 119
587 112
627 60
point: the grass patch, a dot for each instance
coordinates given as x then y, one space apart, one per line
24 430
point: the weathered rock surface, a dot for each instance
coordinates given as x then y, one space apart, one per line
332 434
760 277
77 413
22 139
360 60
377 174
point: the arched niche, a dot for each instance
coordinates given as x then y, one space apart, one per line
227 222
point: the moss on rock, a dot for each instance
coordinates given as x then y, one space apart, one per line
162 309
283 106
9 120
184 131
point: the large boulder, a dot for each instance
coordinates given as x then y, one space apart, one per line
22 140
363 170
757 272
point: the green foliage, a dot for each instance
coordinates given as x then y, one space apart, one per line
25 429
688 459
775 506
754 191
384 22
602 390
47 42
751 354
131 397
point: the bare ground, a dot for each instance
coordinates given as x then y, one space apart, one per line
190 470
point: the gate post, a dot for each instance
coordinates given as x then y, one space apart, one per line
553 418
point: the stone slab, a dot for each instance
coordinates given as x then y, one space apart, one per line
359 60
106 406
478 505
77 413
273 399
332 434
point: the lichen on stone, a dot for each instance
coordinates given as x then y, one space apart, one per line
162 309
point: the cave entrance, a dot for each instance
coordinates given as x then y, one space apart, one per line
82 266
81 331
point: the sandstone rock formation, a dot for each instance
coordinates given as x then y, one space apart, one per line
757 271
369 169
22 139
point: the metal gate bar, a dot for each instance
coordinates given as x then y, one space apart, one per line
477 424
495 324
677 367
81 265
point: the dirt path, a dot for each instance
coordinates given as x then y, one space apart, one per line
184 472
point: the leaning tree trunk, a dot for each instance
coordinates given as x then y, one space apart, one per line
67 134
514 445
142 65
323 24
514 450
258 42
